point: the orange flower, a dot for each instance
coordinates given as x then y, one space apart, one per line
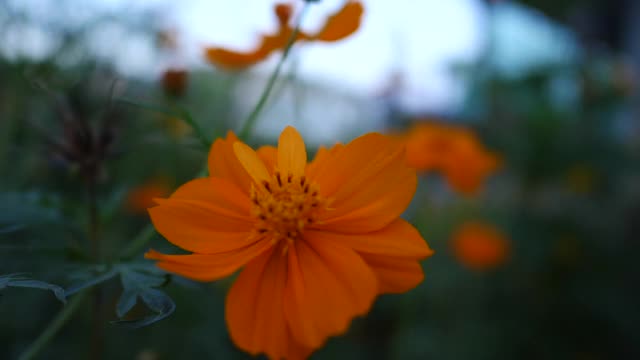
454 151
318 241
141 198
480 246
337 27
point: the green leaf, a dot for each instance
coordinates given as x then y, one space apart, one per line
133 280
128 299
91 282
136 286
157 301
19 280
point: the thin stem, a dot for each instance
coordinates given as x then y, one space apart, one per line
253 116
54 326
96 347
93 217
137 243
97 331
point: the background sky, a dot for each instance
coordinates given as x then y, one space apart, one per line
418 41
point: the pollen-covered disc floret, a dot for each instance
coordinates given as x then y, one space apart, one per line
284 206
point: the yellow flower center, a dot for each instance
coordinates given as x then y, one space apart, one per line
284 207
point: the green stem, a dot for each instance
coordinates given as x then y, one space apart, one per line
253 116
137 243
182 114
54 326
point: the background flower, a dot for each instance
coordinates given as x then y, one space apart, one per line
480 246
453 151
337 27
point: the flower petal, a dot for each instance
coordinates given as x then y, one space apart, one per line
224 163
395 275
209 267
398 239
352 161
251 163
269 156
328 286
205 216
254 307
370 185
292 155
267 44
322 160
343 23
468 168
216 192
235 60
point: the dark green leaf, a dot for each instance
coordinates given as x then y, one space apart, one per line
18 280
140 285
127 301
91 282
157 301
132 280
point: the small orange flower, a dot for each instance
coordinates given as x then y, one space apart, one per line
480 246
141 198
455 151
337 27
318 241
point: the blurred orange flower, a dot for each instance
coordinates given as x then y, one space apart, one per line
452 150
337 27
318 241
480 246
140 198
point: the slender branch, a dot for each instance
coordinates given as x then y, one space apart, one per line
253 116
54 326
97 331
96 347
93 215
137 243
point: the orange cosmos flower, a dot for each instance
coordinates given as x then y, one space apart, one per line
455 151
318 241
338 26
480 246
